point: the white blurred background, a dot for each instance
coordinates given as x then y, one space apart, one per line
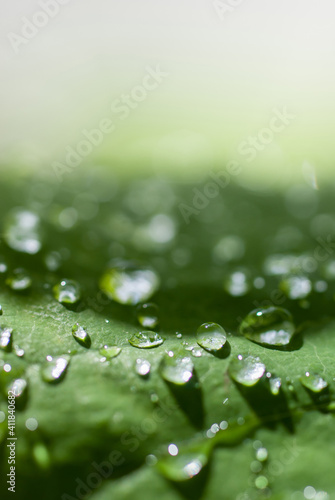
230 63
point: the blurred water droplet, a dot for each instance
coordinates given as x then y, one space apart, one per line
110 352
313 382
19 387
19 280
268 326
237 284
142 367
176 369
246 370
296 287
67 291
54 370
81 335
22 231
275 385
146 340
147 315
128 283
6 339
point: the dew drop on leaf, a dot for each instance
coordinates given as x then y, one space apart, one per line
268 326
246 370
146 340
147 315
313 382
128 283
19 280
211 337
67 291
142 367
110 352
54 369
176 368
81 335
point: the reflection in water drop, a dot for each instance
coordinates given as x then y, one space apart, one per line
246 370
147 315
146 340
176 368
268 326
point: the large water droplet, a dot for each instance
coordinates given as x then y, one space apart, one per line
211 337
146 340
19 280
176 368
6 339
142 367
22 231
81 335
313 382
246 370
54 369
296 287
268 326
147 315
67 291
110 352
127 283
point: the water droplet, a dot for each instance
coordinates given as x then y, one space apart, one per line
182 466
173 450
237 284
147 315
142 367
262 454
19 280
19 387
110 352
313 382
54 369
127 283
261 482
296 287
196 353
31 424
179 335
268 326
1 311
67 291
275 385
6 339
146 340
176 369
246 370
19 351
81 335
22 231
211 337
3 266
